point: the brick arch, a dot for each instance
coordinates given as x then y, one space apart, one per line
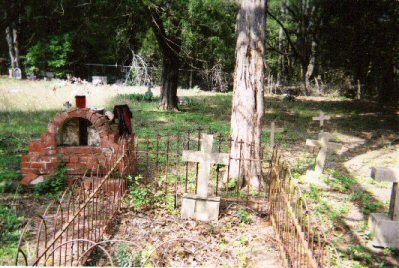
99 121
45 156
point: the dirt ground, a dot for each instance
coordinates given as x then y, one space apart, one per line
159 238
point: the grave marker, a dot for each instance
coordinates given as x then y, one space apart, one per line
272 131
17 73
322 117
386 227
199 205
325 146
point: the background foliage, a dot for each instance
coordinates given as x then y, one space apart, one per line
351 42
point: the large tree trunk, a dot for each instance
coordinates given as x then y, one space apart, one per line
310 67
16 45
9 40
170 46
248 96
11 12
280 69
170 77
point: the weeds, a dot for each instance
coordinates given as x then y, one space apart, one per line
341 183
53 186
124 257
367 202
10 225
245 216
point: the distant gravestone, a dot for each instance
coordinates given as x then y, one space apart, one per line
272 131
324 145
67 106
148 95
386 227
17 74
199 205
99 80
322 117
50 75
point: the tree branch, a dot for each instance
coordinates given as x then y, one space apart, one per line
296 52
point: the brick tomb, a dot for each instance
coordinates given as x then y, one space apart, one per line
81 139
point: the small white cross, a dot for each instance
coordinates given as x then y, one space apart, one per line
322 117
389 175
205 158
272 131
325 145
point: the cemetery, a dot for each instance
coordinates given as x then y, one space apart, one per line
199 133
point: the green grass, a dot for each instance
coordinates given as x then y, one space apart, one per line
10 225
18 129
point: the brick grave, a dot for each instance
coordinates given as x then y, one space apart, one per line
81 139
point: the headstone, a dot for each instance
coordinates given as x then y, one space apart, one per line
199 205
272 131
50 75
322 117
67 106
386 227
99 80
324 145
17 73
149 93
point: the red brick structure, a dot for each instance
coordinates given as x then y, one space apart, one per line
66 143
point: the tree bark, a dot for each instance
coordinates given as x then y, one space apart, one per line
310 67
16 45
11 14
170 78
170 46
9 40
248 95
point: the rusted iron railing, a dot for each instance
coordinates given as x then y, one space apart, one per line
70 228
73 227
302 240
162 169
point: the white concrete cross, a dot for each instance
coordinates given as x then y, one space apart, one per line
322 117
205 158
272 131
325 145
389 175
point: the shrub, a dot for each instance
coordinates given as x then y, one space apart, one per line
54 185
245 216
54 56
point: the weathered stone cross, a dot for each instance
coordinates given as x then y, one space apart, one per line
322 117
389 175
325 145
205 158
272 131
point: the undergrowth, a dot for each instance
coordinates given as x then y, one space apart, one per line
54 186
10 224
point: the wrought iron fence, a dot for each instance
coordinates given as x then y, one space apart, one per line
70 228
162 168
302 240
73 227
